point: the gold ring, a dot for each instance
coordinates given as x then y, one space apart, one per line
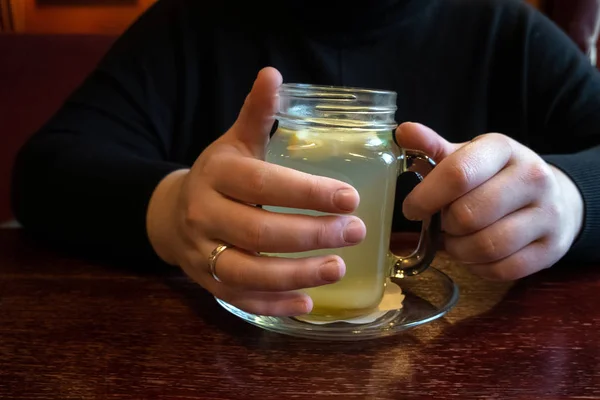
212 259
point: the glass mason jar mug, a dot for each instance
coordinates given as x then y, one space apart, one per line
347 134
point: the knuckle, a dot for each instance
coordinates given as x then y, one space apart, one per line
553 211
488 248
240 274
255 235
321 236
460 175
500 139
212 166
463 217
500 142
236 276
193 216
538 175
196 217
258 178
313 186
248 275
298 278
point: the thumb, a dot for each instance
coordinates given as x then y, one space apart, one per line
415 136
257 115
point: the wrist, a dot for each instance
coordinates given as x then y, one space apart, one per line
161 220
573 201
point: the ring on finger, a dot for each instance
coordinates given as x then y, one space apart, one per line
214 256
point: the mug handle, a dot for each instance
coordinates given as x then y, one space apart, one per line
431 232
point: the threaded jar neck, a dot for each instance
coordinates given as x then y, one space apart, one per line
316 106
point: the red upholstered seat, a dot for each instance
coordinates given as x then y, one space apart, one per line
36 74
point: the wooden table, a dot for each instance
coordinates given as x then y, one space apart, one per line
76 330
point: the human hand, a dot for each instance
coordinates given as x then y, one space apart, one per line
194 211
506 213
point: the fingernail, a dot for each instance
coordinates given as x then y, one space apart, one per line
354 232
302 306
399 131
345 199
404 125
409 212
331 271
410 216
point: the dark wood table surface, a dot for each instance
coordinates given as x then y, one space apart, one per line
71 329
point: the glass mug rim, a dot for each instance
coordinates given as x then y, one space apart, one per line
299 87
349 108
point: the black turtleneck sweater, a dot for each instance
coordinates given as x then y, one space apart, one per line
177 78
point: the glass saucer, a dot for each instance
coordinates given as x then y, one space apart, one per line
428 296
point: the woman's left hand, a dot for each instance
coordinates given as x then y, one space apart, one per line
506 213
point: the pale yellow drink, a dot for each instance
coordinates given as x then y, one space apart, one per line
368 161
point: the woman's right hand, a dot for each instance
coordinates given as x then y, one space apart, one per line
193 211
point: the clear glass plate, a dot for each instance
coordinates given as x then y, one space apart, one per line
429 296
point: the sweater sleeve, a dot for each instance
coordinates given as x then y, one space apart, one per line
563 101
83 181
